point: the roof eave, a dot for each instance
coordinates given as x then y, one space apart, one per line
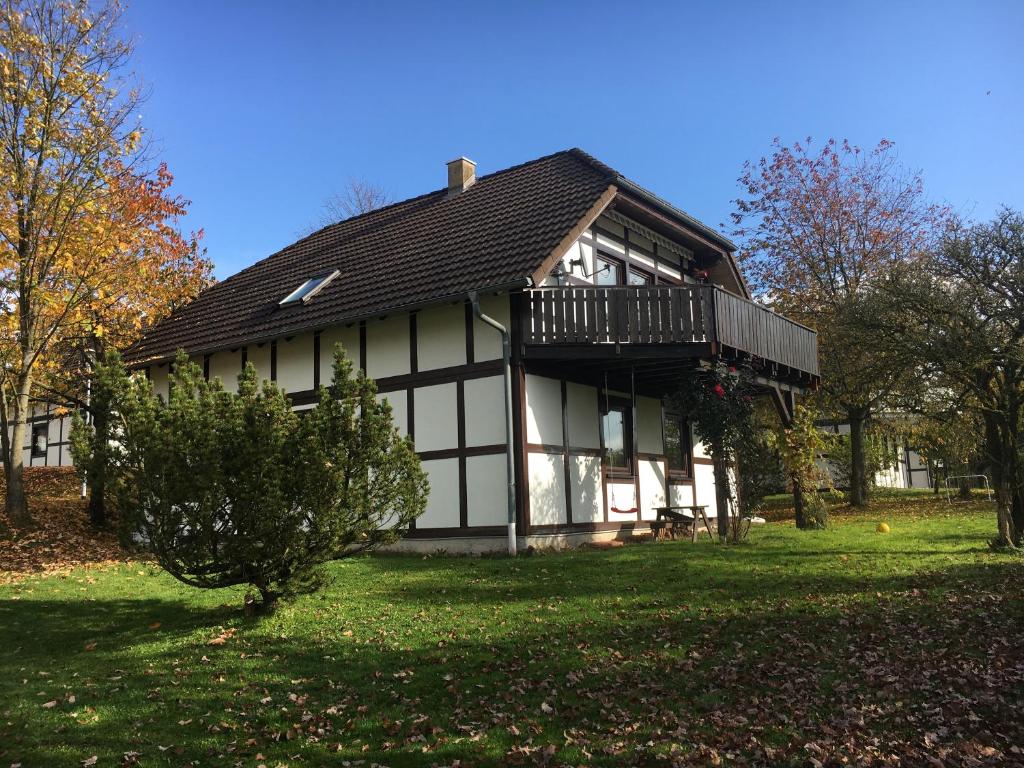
671 210
237 343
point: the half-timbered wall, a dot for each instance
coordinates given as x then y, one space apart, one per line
440 371
908 470
47 434
566 483
635 247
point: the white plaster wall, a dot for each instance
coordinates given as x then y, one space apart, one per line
295 363
399 403
579 250
585 488
681 495
443 503
387 347
890 477
699 450
608 244
57 428
621 496
704 486
259 356
546 475
485 411
441 337
543 410
639 258
226 366
648 425
486 340
652 488
348 337
158 377
582 408
436 417
670 272
486 490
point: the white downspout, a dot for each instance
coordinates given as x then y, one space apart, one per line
506 357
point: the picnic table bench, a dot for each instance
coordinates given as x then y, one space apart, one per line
687 515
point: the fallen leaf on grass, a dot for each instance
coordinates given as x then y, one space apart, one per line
223 637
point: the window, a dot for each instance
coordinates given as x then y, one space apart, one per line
40 440
607 271
617 438
678 449
308 289
638 278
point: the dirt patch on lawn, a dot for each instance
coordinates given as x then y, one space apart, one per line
61 537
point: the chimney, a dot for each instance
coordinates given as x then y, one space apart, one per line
461 175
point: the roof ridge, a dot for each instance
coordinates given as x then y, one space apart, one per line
574 151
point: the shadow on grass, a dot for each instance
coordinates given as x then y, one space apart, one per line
614 673
671 573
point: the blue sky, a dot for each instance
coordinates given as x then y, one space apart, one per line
264 109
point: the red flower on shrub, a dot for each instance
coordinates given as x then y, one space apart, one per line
719 390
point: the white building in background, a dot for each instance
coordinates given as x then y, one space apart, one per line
907 468
47 437
607 293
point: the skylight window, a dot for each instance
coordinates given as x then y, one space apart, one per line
308 289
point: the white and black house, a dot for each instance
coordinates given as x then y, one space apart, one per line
605 293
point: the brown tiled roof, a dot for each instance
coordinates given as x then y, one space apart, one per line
493 235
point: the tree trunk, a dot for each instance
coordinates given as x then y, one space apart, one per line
16 503
266 605
722 492
858 471
798 502
97 478
1003 477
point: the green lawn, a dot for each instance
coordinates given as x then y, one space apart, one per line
793 648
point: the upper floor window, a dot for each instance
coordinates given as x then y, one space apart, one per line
610 271
607 271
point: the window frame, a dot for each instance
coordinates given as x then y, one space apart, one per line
617 266
298 297
622 274
686 445
44 431
648 278
626 408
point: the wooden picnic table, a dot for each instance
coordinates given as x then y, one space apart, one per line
686 514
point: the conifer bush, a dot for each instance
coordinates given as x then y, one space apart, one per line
227 488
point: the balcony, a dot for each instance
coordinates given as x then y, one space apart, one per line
662 323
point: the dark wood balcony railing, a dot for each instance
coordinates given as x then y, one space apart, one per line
657 315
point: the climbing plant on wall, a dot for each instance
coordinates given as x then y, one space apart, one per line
718 400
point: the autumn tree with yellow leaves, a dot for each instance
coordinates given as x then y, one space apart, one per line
90 250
